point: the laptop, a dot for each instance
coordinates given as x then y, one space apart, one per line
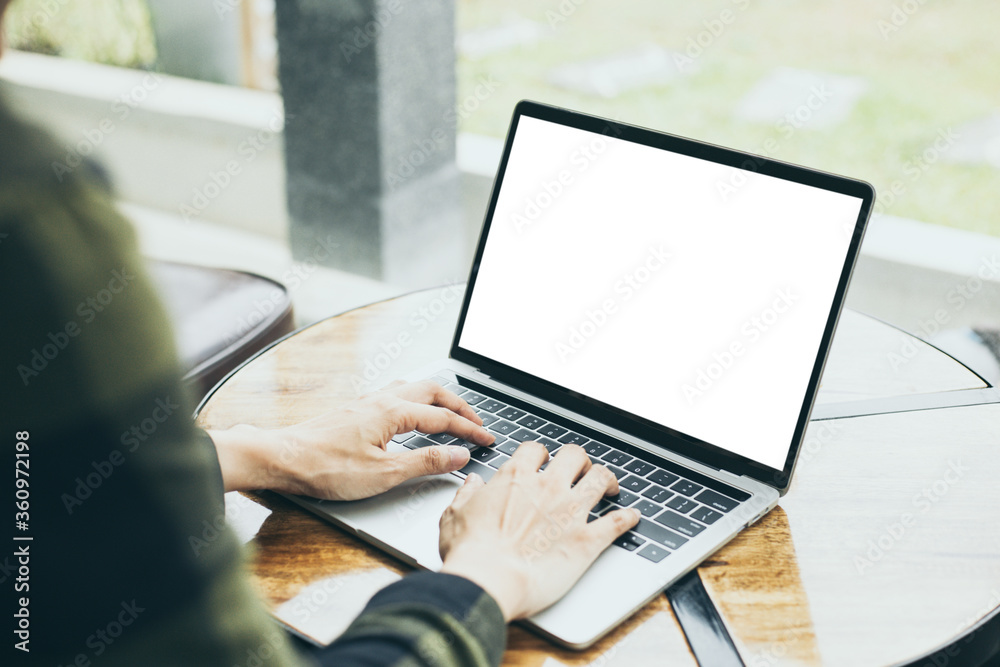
666 304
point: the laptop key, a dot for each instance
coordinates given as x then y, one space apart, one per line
617 458
485 472
551 430
550 445
488 419
506 446
491 405
705 515
657 494
592 517
498 461
663 478
403 437
595 448
633 483
483 454
629 541
716 501
602 506
656 532
624 498
512 414
647 508
503 427
523 434
454 388
681 524
681 504
573 438
442 438
531 422
640 468
686 488
417 442
653 552
472 398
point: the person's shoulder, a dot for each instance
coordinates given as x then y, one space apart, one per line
26 150
31 157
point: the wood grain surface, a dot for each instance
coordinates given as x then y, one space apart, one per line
887 545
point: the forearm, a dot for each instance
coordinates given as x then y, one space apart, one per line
244 457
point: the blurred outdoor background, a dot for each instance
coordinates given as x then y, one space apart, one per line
899 72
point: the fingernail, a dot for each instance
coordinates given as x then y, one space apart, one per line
459 456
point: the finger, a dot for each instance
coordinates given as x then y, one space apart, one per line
433 460
432 393
609 527
407 416
569 464
594 485
448 399
438 395
432 419
465 492
529 455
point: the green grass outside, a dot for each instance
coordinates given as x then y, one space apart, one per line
936 72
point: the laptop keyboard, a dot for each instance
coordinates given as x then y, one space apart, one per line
674 509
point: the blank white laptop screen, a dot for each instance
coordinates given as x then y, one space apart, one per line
663 285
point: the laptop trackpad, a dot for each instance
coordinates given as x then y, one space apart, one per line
404 519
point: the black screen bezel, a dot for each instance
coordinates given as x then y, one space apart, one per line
635 425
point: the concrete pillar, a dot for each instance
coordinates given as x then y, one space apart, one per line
369 93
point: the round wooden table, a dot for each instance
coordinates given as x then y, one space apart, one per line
887 547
